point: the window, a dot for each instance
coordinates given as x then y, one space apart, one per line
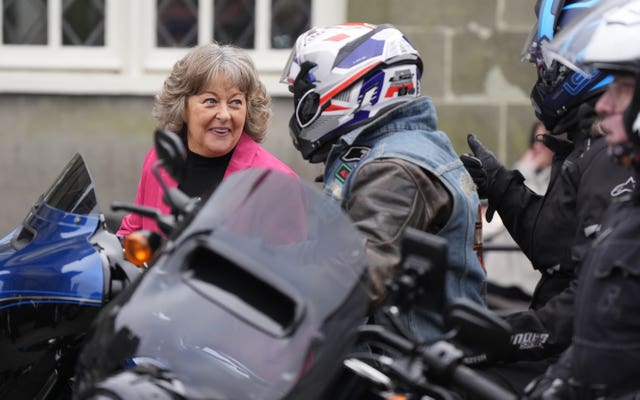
68 35
128 47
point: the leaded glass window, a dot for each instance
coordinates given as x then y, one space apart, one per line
231 21
24 22
83 22
128 46
289 18
234 22
177 24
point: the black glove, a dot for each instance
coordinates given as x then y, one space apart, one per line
478 174
546 388
483 166
553 384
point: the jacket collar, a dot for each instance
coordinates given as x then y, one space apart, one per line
244 155
412 115
242 158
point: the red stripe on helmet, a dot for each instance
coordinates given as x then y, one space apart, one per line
329 95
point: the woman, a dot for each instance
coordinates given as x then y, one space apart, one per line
215 101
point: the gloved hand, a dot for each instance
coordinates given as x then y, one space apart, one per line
483 166
553 384
546 388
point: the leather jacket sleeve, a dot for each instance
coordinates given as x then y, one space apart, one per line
558 234
386 196
521 210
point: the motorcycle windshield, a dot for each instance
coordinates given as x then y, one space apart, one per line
70 203
48 259
258 295
73 191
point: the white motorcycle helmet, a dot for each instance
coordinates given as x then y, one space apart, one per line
344 75
606 38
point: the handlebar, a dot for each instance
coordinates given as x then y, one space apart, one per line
442 360
468 379
166 223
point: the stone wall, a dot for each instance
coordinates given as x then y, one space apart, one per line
473 72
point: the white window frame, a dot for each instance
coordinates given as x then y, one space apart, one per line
129 62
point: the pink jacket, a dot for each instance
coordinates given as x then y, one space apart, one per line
248 154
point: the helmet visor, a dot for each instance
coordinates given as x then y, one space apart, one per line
576 46
287 74
542 31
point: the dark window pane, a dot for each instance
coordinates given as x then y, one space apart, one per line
83 22
177 23
24 22
289 18
235 22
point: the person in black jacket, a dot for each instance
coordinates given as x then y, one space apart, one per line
604 355
553 230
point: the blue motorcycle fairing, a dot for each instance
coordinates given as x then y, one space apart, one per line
58 265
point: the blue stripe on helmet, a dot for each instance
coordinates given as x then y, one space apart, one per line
584 4
546 20
604 82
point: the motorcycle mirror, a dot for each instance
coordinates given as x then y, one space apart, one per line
420 282
477 327
171 152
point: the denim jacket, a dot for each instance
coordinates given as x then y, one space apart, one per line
409 132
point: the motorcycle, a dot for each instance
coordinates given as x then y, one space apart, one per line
261 292
241 302
58 268
400 367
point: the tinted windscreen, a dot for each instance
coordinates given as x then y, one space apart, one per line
245 304
73 190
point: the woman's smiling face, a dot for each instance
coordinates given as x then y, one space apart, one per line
215 118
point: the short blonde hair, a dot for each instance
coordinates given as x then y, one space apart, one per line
191 74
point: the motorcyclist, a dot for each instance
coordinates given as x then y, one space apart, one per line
358 109
602 361
553 230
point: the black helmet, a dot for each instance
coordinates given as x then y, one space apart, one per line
257 297
559 91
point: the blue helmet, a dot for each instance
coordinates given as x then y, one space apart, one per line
559 90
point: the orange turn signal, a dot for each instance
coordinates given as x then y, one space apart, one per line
137 248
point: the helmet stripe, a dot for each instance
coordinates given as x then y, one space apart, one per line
329 95
584 4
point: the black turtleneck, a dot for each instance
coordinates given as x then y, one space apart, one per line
203 174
